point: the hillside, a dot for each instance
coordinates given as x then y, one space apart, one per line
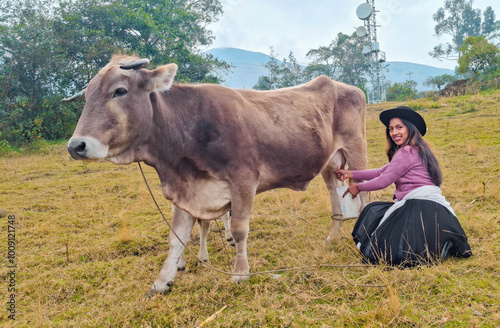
89 243
398 72
248 66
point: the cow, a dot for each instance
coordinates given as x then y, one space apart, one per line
215 148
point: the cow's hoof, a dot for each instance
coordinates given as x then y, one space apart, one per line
154 291
240 279
333 239
183 268
231 242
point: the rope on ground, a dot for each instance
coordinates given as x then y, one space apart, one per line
345 266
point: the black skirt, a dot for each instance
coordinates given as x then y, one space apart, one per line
419 232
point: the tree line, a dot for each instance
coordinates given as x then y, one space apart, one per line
474 34
50 49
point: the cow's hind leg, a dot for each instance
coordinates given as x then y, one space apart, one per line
241 205
336 162
182 224
204 228
356 159
227 229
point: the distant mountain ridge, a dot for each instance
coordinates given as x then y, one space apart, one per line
249 66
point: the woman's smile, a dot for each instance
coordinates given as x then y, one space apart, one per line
398 131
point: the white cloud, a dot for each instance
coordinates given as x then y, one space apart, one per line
406 31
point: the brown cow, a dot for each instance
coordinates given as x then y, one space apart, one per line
215 148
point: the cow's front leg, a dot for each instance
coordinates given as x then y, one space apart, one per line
182 224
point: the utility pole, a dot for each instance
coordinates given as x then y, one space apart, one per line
409 75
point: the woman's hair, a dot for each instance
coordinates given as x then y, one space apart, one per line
416 140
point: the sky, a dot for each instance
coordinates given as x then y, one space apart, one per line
405 32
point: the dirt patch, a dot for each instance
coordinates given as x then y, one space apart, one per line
457 88
468 86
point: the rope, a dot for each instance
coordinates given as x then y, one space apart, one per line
224 244
345 266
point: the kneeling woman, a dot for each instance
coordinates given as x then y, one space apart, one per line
419 226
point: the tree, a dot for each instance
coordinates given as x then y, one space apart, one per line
342 60
440 80
161 30
402 91
459 20
264 83
282 74
51 49
479 56
489 22
29 70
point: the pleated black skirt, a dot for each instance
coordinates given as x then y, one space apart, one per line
419 232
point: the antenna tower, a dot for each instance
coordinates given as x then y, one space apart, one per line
366 12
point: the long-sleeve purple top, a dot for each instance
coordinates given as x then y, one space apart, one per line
406 170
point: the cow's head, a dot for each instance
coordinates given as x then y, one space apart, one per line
118 113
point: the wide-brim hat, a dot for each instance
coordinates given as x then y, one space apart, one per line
406 113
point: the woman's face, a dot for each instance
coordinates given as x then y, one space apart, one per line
398 131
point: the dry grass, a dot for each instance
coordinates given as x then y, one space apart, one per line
101 218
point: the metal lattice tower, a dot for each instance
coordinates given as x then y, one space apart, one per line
367 13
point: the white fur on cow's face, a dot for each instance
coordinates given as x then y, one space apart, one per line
87 148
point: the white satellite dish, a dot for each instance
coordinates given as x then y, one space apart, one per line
361 31
364 11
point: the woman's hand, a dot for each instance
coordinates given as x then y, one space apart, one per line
353 190
343 174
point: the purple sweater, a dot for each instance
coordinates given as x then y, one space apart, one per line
406 170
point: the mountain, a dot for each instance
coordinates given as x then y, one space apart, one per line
398 72
249 65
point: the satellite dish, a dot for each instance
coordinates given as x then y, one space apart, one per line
364 11
361 31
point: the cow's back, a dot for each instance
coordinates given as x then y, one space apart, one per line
292 132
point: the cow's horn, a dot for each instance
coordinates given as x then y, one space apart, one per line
137 64
75 96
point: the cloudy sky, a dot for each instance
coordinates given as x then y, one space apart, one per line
406 31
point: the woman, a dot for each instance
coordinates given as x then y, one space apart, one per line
419 226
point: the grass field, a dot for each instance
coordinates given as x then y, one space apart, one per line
89 243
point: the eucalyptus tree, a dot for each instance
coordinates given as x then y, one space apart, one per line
458 19
282 73
342 60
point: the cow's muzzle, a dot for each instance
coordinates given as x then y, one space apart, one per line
86 148
77 149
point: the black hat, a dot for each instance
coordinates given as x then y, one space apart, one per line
406 113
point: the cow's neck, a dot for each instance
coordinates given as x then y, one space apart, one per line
169 142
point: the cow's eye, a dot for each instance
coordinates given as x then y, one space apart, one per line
120 92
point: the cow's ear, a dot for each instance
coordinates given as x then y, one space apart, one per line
162 77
